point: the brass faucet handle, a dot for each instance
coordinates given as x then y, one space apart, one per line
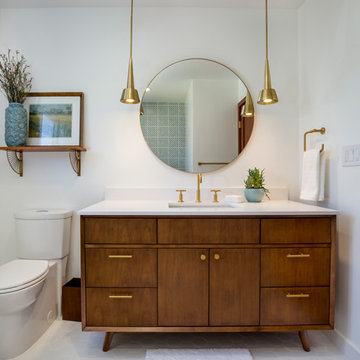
181 197
215 200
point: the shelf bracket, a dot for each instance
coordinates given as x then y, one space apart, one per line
75 161
15 159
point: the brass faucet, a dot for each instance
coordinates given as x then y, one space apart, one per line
199 181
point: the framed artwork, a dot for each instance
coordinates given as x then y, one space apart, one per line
55 119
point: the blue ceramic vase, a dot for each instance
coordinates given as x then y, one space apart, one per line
15 125
254 195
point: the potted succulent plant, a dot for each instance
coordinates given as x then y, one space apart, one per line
255 186
15 83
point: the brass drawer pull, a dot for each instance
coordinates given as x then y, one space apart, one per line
120 297
203 257
120 256
297 295
298 255
217 257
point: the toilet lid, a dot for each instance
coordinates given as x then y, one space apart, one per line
19 273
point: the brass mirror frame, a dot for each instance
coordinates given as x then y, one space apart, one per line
141 106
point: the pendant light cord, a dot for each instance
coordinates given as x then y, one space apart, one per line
266 26
131 27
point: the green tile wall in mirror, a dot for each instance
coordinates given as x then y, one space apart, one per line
191 115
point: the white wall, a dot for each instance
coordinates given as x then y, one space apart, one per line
87 50
329 44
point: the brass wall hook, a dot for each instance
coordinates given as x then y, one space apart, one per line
321 131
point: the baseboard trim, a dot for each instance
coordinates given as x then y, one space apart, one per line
347 347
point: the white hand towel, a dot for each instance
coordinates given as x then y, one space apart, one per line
322 176
313 175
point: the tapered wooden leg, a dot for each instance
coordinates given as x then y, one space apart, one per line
107 341
304 340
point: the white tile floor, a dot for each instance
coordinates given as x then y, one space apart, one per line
65 340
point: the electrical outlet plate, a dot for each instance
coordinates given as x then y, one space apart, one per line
351 155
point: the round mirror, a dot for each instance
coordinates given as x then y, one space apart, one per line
191 118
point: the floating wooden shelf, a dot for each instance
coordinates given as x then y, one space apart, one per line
15 155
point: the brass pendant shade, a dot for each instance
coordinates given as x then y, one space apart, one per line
130 95
248 109
267 95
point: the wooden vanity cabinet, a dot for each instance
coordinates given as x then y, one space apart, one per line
208 274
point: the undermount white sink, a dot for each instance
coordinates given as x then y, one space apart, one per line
199 205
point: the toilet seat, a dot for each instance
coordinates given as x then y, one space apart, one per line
20 274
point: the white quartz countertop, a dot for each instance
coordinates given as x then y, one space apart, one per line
266 208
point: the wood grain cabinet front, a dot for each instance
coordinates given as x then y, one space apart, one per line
295 267
208 231
295 306
183 287
212 274
295 230
108 307
121 267
198 287
234 287
103 230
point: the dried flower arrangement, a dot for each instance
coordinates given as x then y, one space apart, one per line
15 78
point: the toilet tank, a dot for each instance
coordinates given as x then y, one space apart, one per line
43 233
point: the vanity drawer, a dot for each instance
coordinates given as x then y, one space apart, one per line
295 267
121 307
120 231
308 230
294 306
209 231
121 267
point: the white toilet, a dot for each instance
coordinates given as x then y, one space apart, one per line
30 286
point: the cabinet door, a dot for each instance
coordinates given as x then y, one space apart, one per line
234 287
183 287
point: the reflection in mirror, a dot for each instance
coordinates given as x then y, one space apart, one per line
191 115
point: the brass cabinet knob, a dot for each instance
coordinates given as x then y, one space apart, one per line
217 257
181 197
203 257
215 200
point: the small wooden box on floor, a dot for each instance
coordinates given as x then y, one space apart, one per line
207 273
71 300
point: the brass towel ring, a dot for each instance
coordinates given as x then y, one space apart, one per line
321 131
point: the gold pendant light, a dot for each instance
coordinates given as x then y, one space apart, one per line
130 94
248 108
268 95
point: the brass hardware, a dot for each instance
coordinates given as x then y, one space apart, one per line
268 95
248 108
215 200
321 131
181 197
298 255
297 295
120 297
130 94
199 181
120 256
203 257
217 257
240 123
15 159
75 161
212 163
